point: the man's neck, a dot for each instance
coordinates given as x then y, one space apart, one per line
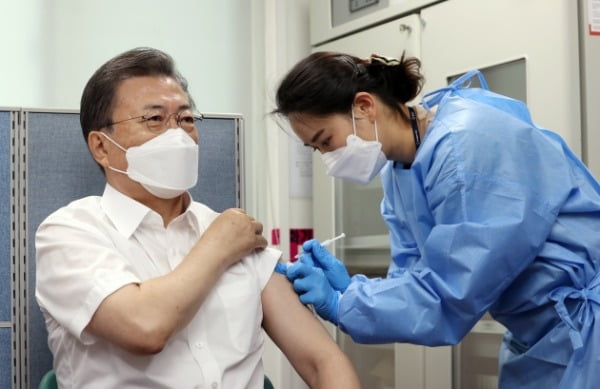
168 209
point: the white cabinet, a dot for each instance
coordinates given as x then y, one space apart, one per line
332 19
461 35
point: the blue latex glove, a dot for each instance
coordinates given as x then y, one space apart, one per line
313 288
334 269
281 268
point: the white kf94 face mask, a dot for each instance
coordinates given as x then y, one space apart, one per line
359 161
166 165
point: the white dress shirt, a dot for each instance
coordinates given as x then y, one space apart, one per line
96 245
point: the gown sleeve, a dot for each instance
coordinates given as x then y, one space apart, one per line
487 188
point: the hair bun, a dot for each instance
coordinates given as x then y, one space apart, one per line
398 79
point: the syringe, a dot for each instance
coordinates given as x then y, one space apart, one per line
281 267
324 243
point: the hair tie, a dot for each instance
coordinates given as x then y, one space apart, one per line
386 61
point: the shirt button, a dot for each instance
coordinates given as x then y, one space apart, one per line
199 345
214 385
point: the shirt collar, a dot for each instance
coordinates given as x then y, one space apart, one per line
124 212
127 214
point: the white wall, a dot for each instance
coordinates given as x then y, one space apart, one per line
20 56
55 45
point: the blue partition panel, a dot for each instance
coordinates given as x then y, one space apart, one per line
5 358
218 180
5 224
6 286
59 169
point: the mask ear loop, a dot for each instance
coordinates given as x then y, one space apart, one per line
119 146
354 126
113 141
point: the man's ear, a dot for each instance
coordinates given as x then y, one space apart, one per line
364 106
97 144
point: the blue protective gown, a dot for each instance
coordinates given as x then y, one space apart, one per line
495 214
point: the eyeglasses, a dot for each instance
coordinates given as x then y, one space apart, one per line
158 122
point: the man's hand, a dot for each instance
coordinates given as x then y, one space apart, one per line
234 234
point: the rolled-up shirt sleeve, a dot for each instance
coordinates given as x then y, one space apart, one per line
77 267
264 263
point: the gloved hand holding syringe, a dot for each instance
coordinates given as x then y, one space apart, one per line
319 278
282 267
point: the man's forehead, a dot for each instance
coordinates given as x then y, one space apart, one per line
149 83
156 91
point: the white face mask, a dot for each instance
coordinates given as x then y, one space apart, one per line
359 161
166 165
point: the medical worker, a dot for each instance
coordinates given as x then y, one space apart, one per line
486 212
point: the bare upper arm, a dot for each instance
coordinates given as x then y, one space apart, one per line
298 333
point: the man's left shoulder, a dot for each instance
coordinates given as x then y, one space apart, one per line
202 211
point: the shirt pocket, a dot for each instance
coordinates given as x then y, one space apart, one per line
240 294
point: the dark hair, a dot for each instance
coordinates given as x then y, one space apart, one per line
326 82
97 100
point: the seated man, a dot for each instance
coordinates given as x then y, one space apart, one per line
144 287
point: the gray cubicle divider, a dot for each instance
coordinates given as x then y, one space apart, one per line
221 164
7 255
59 169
